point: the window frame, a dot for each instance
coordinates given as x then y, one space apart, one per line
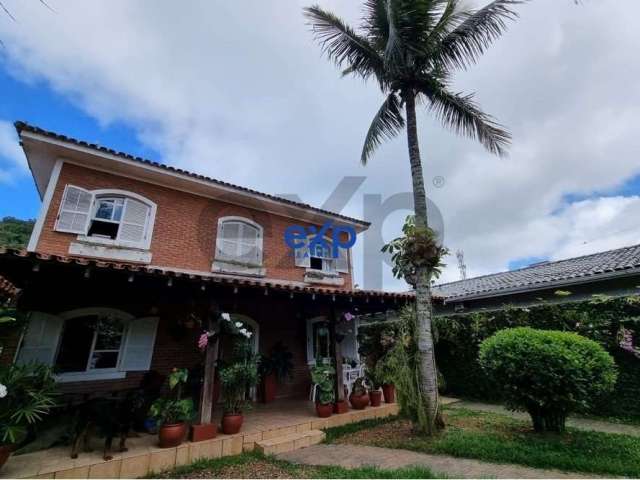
325 260
229 263
95 373
124 194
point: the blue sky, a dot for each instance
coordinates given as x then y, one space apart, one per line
36 103
252 101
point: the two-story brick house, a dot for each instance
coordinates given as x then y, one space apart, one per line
125 252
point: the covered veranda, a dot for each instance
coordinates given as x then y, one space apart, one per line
280 310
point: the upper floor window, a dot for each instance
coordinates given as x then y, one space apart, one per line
321 257
114 217
238 245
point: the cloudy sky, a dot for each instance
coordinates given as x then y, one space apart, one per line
239 91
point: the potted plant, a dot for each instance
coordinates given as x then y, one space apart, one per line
172 412
359 397
374 380
27 394
386 377
236 379
323 378
274 369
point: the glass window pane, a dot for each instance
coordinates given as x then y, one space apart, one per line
117 212
109 334
104 360
75 344
104 209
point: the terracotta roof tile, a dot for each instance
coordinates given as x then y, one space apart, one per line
23 126
202 277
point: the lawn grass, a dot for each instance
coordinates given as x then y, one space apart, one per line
498 438
257 465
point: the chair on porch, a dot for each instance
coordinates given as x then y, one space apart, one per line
350 375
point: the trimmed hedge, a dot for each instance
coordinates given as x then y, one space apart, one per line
600 319
547 373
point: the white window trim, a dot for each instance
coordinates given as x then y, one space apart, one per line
149 228
101 373
224 265
333 271
46 203
311 360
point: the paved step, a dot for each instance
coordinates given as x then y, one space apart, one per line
290 442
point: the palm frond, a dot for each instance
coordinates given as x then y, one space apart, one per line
385 125
343 45
375 23
460 113
475 33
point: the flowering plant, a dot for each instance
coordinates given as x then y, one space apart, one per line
238 376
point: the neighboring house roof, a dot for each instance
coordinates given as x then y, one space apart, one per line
587 268
202 277
25 127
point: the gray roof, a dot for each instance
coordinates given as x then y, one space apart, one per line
612 263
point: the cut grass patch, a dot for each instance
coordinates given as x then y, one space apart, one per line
257 465
498 438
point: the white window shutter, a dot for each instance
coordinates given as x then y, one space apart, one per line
258 250
138 349
133 229
40 341
302 256
75 210
342 262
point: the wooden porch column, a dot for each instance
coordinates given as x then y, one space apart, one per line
337 355
210 359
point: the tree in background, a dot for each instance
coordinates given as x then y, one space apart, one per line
412 48
14 232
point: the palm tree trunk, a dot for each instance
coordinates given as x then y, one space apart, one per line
428 376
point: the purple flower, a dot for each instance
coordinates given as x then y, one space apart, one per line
203 341
348 317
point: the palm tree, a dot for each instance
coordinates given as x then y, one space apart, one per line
412 48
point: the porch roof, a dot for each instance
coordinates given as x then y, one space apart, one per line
21 255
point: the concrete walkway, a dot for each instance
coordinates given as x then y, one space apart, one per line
351 456
575 422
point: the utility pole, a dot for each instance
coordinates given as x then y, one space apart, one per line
461 266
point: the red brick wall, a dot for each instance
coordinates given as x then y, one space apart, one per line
185 225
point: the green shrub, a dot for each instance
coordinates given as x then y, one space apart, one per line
547 373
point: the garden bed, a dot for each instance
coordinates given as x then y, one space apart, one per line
256 465
501 439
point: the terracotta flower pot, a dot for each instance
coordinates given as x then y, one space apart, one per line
389 391
5 452
341 406
324 410
359 402
232 423
269 388
172 435
376 397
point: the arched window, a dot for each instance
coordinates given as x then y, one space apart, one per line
89 343
111 217
238 245
320 256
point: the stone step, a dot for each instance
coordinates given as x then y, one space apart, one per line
290 442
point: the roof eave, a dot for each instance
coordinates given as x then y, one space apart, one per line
169 176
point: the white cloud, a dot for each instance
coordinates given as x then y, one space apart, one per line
239 90
12 160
